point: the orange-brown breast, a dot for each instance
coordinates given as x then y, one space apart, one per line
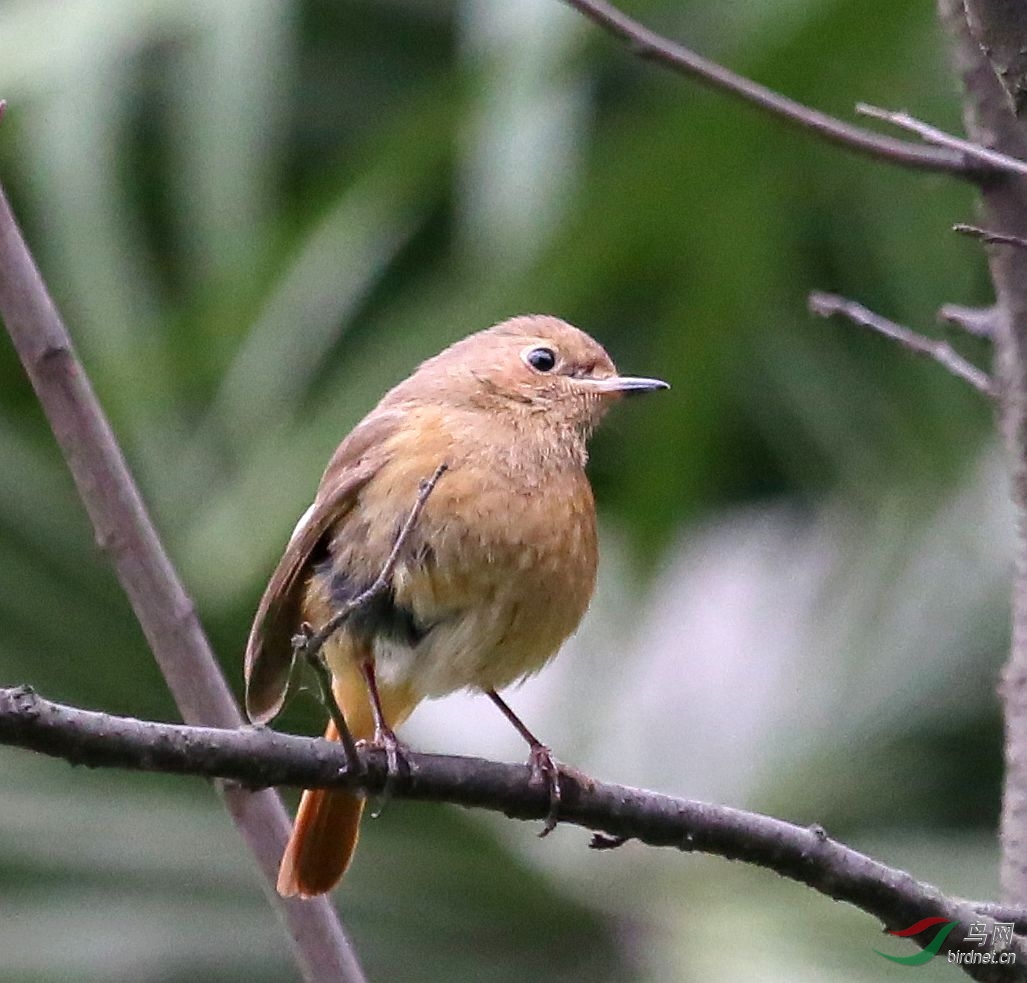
496 574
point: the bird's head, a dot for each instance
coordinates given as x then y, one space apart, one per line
532 368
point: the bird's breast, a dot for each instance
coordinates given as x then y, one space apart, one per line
495 575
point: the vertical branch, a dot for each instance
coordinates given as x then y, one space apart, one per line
990 121
167 616
998 28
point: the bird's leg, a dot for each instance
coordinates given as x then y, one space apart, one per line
384 736
540 760
316 661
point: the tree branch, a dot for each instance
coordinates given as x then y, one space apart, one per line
1001 31
931 134
977 321
988 237
827 305
164 609
311 645
260 757
651 46
989 121
309 642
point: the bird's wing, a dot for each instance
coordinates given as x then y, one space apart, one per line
269 651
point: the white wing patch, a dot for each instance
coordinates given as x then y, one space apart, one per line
303 520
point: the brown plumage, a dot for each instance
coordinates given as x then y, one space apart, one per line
496 573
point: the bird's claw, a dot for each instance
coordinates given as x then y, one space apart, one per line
544 769
395 756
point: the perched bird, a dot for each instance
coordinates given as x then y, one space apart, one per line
493 576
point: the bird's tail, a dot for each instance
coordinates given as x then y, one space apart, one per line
327 824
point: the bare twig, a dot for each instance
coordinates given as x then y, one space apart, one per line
988 119
989 237
323 675
1001 32
308 643
993 158
827 305
258 756
978 321
314 643
651 46
1003 913
164 609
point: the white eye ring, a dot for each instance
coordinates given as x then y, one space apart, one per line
540 358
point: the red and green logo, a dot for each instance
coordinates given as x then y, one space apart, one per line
928 952
971 953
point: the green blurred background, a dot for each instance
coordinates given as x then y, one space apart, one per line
256 215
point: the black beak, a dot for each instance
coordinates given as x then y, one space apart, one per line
629 385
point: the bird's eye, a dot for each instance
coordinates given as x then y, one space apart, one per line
541 359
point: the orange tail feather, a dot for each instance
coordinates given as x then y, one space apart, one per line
323 839
327 826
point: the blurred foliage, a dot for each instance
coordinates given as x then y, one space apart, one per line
256 215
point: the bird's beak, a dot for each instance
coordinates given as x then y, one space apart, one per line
627 384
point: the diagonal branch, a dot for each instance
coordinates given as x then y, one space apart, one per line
164 609
259 757
827 305
311 645
981 322
931 134
651 46
988 237
308 643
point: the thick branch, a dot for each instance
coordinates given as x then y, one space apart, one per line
651 46
989 121
259 757
1000 28
164 609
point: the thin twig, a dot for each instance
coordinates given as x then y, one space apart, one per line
989 237
931 134
323 675
651 46
316 641
942 352
258 756
977 321
165 611
308 643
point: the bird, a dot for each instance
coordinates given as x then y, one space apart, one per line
488 582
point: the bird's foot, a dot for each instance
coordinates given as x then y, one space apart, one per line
395 756
544 770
